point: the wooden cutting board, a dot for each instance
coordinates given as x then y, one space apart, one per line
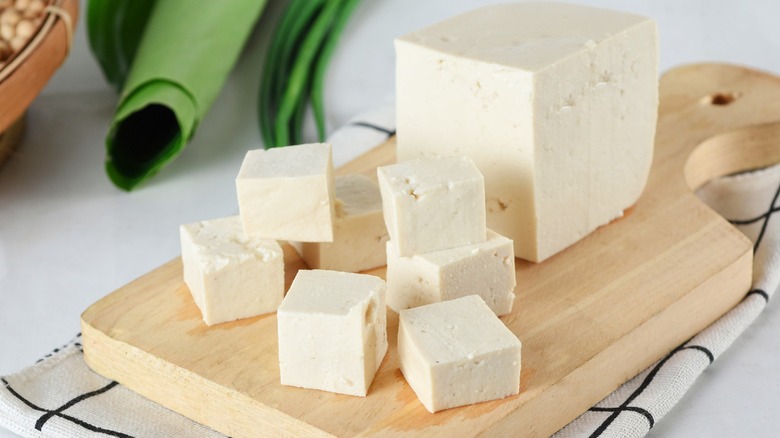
589 318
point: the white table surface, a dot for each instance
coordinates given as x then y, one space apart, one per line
68 237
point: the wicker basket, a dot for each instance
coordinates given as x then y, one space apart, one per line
24 75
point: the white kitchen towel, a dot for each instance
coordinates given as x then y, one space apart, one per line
61 397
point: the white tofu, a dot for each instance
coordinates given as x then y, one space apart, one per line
456 353
332 331
359 232
231 276
555 103
486 269
287 193
433 204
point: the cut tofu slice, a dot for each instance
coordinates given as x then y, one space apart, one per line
456 353
359 233
231 276
433 204
555 103
332 331
486 269
287 193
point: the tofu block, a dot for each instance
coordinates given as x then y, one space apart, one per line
287 193
359 232
486 269
332 331
231 276
456 353
555 103
432 204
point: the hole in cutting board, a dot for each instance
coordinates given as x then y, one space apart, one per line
721 99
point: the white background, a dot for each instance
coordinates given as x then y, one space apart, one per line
68 237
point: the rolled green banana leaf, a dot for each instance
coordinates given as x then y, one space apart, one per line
114 29
185 54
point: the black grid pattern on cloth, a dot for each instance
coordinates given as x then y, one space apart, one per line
625 406
773 208
634 410
60 412
75 342
48 414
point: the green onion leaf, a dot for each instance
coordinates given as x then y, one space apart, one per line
281 51
318 83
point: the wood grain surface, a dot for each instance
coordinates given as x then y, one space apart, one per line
590 317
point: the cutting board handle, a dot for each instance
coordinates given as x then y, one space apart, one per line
733 152
732 117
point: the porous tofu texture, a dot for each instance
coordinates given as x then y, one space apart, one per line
288 193
555 103
359 232
456 353
433 204
231 276
486 269
332 331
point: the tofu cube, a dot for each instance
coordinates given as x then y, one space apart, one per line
486 269
231 276
359 232
332 331
287 193
432 204
456 353
555 103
